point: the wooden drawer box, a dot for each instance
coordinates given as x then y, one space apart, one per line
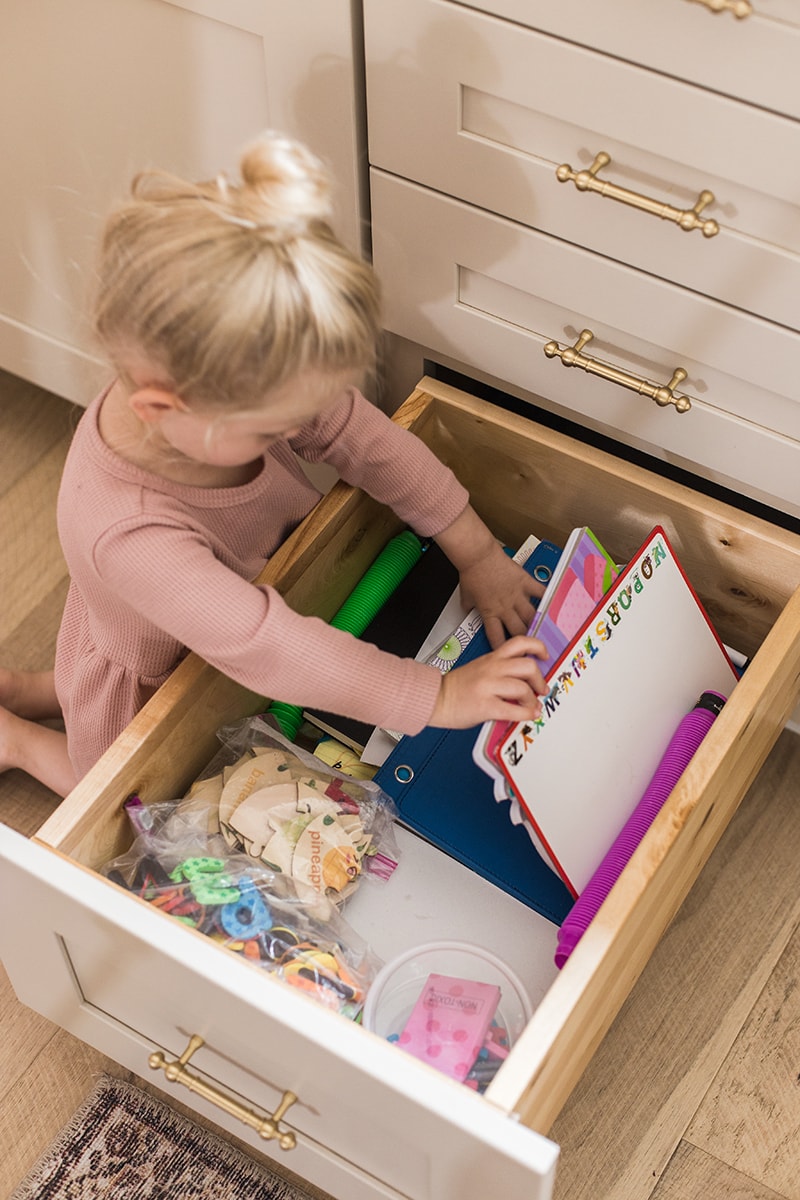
369 1121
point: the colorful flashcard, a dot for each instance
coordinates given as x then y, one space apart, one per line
584 574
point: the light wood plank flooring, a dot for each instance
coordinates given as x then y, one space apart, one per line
694 1093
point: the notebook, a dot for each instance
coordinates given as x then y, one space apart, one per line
584 574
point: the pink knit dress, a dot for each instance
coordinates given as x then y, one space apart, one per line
158 568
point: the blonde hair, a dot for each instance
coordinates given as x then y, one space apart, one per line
230 288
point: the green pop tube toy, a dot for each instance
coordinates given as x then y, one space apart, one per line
362 605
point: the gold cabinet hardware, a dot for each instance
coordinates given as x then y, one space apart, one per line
686 218
739 8
265 1127
663 394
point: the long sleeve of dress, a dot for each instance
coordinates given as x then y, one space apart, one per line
170 578
391 464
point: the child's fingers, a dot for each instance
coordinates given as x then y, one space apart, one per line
495 632
533 587
503 685
512 711
518 662
524 614
520 693
523 684
524 646
513 622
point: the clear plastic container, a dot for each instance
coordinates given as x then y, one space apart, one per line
398 985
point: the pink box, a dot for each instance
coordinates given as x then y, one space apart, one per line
449 1022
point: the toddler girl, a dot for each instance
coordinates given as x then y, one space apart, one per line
239 328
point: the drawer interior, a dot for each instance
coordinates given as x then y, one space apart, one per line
747 573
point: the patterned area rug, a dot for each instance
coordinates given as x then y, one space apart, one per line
123 1143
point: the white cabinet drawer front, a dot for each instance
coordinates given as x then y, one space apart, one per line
503 107
105 961
754 57
488 294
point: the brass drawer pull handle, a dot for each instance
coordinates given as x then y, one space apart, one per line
739 8
663 394
686 218
265 1127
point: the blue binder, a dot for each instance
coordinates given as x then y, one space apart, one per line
442 795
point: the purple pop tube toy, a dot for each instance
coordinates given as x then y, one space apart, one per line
683 743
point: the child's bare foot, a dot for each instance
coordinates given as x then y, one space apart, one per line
37 750
29 694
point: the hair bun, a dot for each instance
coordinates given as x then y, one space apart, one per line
285 188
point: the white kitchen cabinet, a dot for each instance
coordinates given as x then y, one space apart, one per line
94 91
505 251
751 57
471 281
485 258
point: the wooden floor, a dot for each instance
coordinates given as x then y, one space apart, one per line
695 1092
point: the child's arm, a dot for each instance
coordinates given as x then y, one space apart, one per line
177 593
490 581
398 469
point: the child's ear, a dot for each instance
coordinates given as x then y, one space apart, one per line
152 403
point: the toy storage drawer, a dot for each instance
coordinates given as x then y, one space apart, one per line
735 47
503 107
488 293
370 1121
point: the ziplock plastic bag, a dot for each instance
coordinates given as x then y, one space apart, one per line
295 814
286 928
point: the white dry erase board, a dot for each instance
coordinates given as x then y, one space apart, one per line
617 695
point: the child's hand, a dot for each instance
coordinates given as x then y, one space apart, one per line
503 594
504 685
490 581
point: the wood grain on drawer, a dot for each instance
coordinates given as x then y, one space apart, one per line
502 107
483 291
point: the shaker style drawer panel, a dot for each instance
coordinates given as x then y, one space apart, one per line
370 1122
357 1106
487 293
503 107
753 56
